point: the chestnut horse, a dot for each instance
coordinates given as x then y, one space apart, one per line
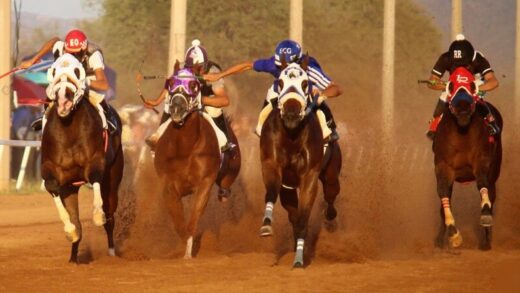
188 158
464 151
76 150
293 159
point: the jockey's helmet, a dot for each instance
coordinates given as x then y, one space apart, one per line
291 50
196 54
461 51
75 41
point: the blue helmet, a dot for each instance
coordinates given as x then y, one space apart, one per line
290 49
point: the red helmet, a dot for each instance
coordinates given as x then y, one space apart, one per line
75 41
461 78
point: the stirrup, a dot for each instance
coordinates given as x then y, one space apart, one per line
493 129
227 147
111 127
37 124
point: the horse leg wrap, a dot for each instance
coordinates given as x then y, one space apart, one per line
448 216
189 247
298 258
269 206
69 228
323 123
262 117
98 216
484 195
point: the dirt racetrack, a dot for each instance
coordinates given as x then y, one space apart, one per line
384 241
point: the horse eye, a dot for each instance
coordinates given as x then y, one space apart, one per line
76 72
280 85
304 85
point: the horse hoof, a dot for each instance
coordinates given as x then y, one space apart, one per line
266 230
298 265
456 240
99 219
331 226
486 220
74 260
187 256
222 199
111 252
72 236
330 213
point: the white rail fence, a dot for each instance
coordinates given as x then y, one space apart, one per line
27 145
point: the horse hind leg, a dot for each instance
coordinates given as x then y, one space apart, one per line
110 190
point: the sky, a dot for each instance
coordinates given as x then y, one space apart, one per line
70 9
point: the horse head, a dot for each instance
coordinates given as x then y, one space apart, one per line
67 84
184 93
462 95
293 90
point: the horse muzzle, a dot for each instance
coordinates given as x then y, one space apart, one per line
178 109
292 113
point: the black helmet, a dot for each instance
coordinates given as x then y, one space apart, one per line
461 51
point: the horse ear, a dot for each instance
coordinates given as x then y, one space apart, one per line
176 67
284 62
305 62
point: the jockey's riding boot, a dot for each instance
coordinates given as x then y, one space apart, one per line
220 121
36 125
152 140
437 115
110 118
330 121
492 125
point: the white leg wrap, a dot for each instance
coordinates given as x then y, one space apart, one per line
298 258
448 216
444 96
69 228
323 123
269 206
221 137
189 247
484 197
102 115
98 216
262 117
111 252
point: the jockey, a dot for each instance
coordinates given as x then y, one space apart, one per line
462 54
320 82
91 57
213 98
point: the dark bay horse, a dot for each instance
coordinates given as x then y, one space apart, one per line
77 150
464 151
188 158
292 156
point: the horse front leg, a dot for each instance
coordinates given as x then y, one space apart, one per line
272 175
309 189
444 190
70 200
199 205
173 201
94 174
486 218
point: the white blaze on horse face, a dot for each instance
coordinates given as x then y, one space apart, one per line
98 216
69 228
484 194
448 216
66 73
292 78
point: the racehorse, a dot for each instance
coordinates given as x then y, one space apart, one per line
77 150
293 159
465 151
188 158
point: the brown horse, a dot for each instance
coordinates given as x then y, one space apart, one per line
292 156
76 150
187 157
464 151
